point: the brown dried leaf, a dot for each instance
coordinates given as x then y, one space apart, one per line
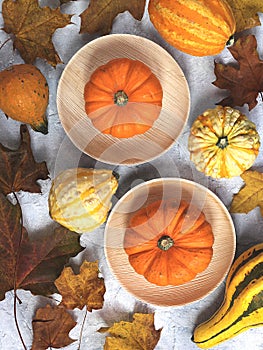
245 13
31 264
51 326
251 195
140 334
33 27
244 82
86 288
18 169
99 16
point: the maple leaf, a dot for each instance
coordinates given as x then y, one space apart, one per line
99 15
137 335
51 326
31 264
33 27
86 288
245 13
18 169
251 194
244 82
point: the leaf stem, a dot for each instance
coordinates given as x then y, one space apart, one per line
15 277
3 44
16 321
82 328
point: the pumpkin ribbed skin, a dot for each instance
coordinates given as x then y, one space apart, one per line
242 307
223 142
123 98
24 95
196 27
169 243
80 198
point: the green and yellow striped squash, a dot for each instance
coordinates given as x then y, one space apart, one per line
196 27
80 198
242 307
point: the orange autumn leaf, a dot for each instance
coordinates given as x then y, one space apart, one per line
33 28
51 326
245 80
83 289
140 334
251 194
99 15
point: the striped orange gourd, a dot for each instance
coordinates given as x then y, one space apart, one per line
196 27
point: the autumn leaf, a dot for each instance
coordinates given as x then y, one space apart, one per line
31 264
251 195
51 326
245 13
99 15
86 288
64 1
18 169
10 216
33 27
137 335
244 82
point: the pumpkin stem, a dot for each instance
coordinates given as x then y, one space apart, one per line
120 98
165 242
222 142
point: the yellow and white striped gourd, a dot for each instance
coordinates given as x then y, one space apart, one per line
80 198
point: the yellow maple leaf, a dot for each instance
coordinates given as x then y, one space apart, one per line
140 334
33 27
245 12
251 195
85 288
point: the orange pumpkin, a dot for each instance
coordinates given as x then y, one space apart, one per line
197 27
168 242
123 98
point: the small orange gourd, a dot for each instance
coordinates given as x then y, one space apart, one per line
24 95
223 142
123 98
196 27
168 242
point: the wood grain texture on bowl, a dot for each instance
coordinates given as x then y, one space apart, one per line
216 214
140 148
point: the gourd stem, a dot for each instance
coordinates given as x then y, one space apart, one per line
120 98
165 242
222 142
230 41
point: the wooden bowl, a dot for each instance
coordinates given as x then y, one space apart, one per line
223 247
105 148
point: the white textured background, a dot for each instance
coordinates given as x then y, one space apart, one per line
178 322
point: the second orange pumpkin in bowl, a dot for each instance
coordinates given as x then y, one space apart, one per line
167 245
123 98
